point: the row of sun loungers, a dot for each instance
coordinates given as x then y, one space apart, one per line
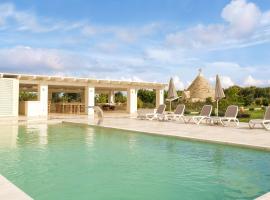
205 115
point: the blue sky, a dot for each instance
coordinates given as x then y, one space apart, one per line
138 40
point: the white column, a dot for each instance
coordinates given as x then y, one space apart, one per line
89 99
132 100
111 97
159 97
43 99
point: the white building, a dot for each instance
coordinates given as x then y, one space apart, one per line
45 86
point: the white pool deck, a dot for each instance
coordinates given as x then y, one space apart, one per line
9 191
237 136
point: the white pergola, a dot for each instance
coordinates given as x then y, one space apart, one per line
90 86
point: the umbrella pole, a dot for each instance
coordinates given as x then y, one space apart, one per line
170 106
217 108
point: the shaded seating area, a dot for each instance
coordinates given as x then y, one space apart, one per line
69 108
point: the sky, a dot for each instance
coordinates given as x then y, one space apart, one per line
138 40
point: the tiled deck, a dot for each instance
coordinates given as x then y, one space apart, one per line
8 191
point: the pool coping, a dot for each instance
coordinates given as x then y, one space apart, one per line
265 196
9 191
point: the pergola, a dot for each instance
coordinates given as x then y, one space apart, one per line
46 85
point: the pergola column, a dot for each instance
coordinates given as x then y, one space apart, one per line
159 97
111 97
89 100
132 100
43 99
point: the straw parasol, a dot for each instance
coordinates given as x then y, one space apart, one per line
172 94
219 93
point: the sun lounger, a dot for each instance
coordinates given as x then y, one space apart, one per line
154 115
177 115
204 115
265 122
159 113
230 116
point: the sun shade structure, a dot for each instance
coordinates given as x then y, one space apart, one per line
219 93
44 86
172 94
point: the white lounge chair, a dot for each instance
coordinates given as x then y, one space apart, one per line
177 115
159 113
147 114
230 116
265 122
204 115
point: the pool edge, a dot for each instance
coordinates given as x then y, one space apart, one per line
9 191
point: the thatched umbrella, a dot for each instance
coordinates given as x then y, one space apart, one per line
172 94
219 93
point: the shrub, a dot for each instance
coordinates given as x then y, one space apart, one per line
243 115
139 103
265 102
251 109
187 112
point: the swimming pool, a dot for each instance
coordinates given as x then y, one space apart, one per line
67 161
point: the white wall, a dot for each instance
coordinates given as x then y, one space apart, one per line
89 99
43 99
111 97
159 97
30 108
132 100
9 97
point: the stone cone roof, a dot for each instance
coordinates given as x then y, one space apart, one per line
201 89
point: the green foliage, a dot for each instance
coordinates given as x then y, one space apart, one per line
66 97
139 103
265 102
146 98
120 98
101 98
208 100
28 96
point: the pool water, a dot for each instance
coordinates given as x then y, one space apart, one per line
67 161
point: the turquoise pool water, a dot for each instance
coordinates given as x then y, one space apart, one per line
79 162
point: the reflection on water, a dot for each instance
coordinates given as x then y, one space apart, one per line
8 136
90 137
132 141
41 130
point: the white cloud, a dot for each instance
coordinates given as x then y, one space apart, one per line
265 20
243 17
178 83
132 78
26 56
20 20
226 81
89 30
244 25
250 81
162 55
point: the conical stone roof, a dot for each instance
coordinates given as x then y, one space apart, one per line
200 89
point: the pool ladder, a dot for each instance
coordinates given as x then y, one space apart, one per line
99 113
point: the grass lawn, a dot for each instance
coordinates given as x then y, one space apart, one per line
255 114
